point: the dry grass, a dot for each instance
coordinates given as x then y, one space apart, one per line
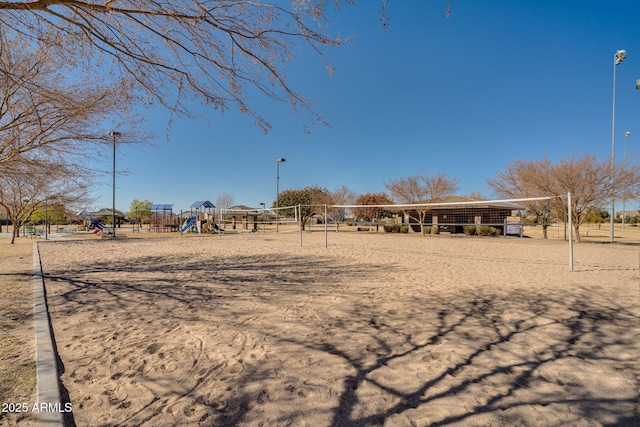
17 352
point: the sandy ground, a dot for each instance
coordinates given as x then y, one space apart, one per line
393 330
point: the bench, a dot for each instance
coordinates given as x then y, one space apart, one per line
364 229
32 232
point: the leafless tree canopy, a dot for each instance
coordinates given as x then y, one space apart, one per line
27 186
588 180
225 201
219 51
421 188
44 112
341 196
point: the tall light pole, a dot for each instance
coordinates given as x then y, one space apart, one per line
619 56
262 205
114 135
624 196
278 161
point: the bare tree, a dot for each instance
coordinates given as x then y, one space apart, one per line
29 185
421 188
221 52
225 200
341 196
588 180
525 179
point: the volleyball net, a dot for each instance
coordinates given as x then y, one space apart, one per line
462 215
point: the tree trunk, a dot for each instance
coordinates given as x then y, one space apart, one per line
577 231
544 231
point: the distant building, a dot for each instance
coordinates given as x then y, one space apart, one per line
627 214
456 212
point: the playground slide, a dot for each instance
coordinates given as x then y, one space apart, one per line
188 223
99 227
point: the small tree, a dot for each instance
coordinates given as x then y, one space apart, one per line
309 199
140 209
421 188
369 214
341 196
50 213
524 179
225 200
29 185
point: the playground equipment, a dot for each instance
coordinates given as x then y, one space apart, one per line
200 218
162 218
189 224
99 228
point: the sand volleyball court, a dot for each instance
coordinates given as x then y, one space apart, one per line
389 330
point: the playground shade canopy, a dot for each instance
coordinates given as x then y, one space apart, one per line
202 204
160 207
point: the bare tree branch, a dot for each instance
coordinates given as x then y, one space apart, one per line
45 112
588 180
218 51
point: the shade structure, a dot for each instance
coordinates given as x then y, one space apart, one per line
161 207
203 204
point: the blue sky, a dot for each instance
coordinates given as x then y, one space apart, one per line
498 81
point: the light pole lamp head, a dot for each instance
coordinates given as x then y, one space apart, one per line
280 160
619 56
627 133
115 134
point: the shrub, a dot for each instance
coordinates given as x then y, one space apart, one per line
469 230
426 230
395 228
484 230
435 229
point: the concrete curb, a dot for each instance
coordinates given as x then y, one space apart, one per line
49 401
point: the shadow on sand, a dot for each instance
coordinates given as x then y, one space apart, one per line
282 339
